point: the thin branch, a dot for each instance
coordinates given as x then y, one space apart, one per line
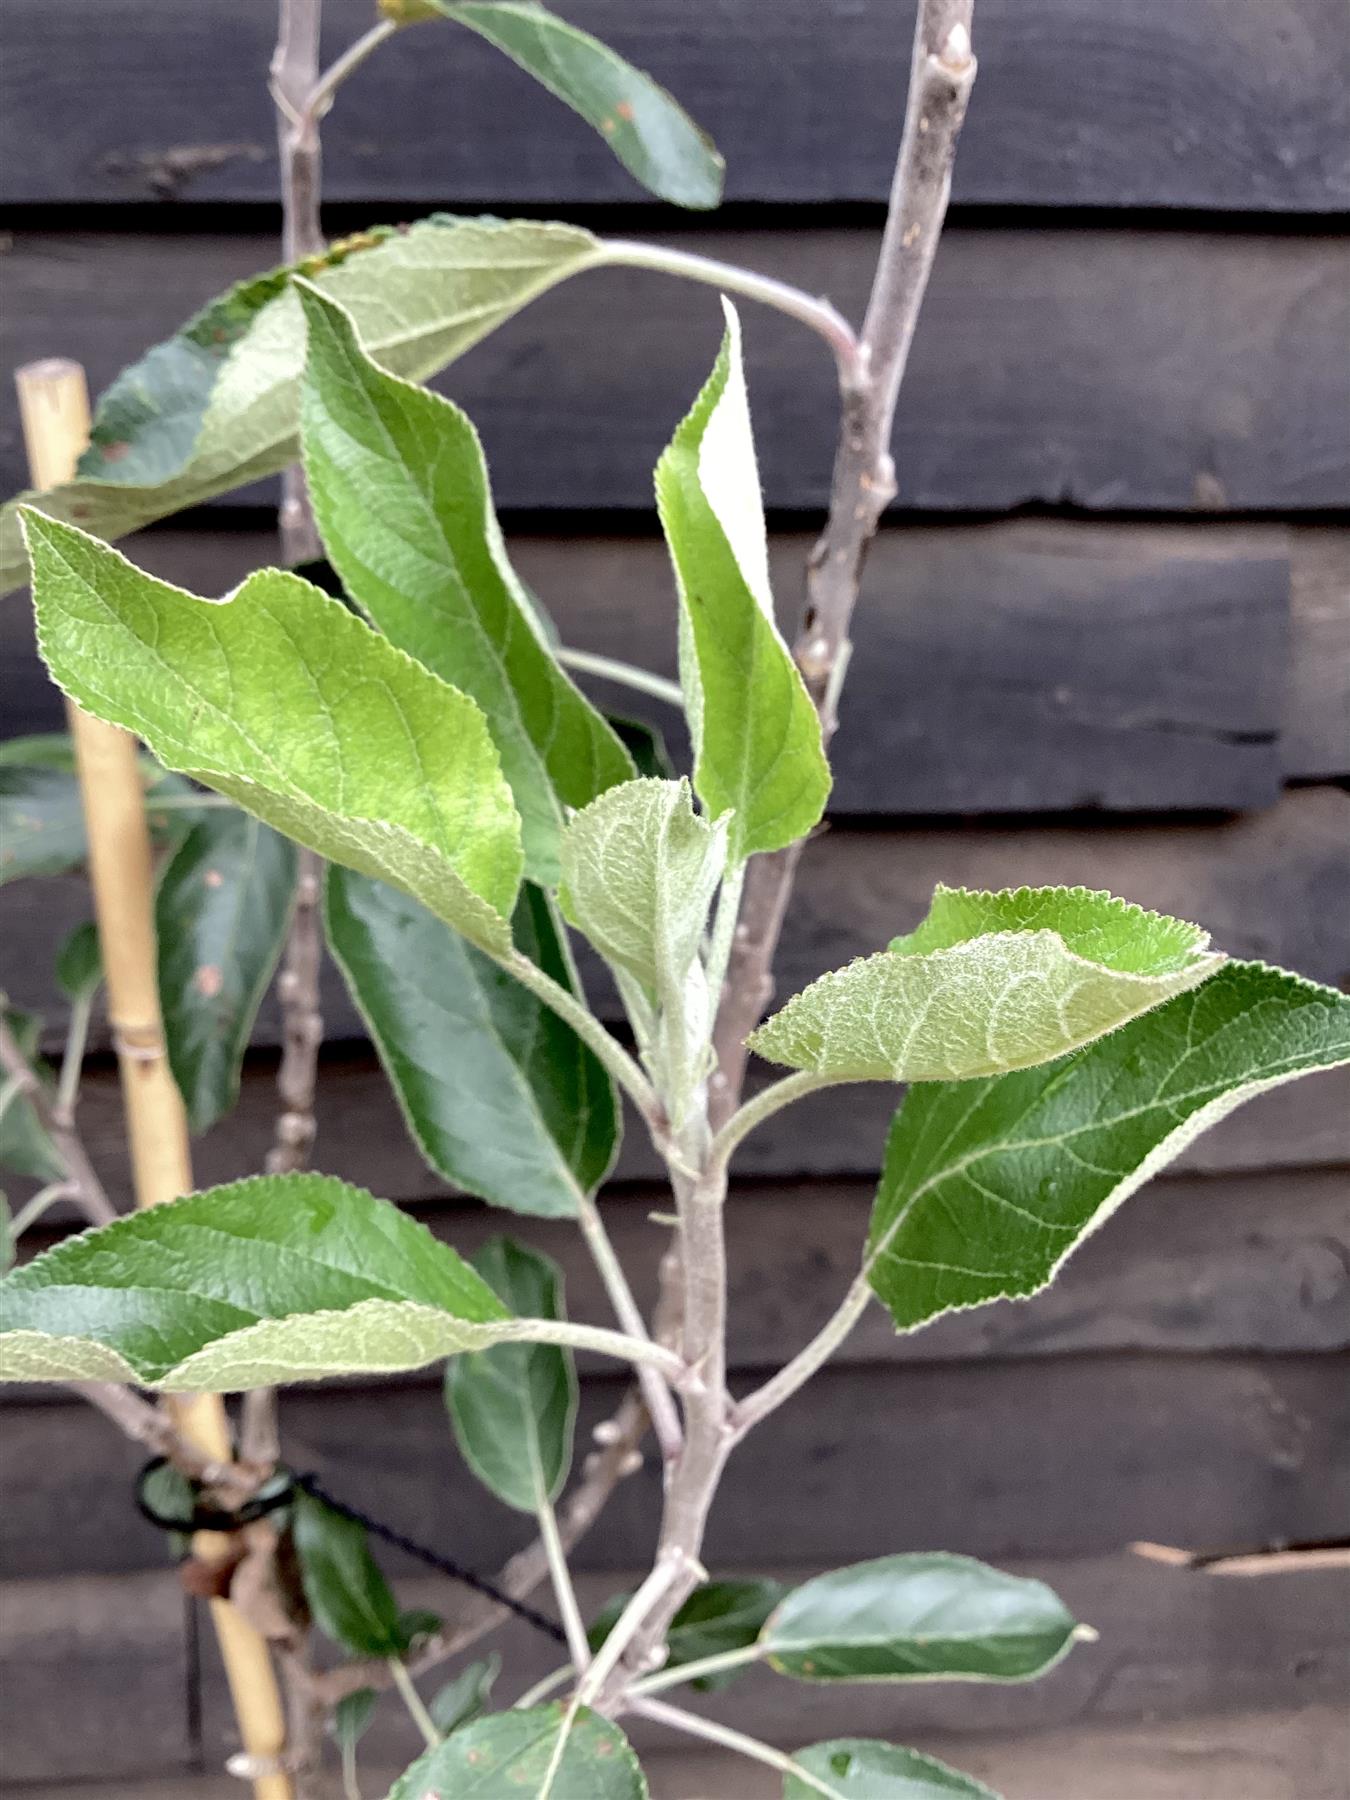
152 1427
86 1190
696 1670
72 1058
765 1104
666 1573
34 1207
693 1725
302 1024
410 1697
589 1029
321 95
798 1372
609 668
563 1591
542 1688
660 1404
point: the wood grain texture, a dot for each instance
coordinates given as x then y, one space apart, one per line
998 668
1128 371
1220 104
1048 1456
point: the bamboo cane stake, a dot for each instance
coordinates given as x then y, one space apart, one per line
54 404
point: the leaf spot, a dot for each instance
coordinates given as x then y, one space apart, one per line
213 878
208 981
625 111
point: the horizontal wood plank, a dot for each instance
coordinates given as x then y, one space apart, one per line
1222 104
1128 371
1049 1456
997 668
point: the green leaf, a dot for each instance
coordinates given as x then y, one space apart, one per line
757 744
650 133
79 964
866 1769
25 1148
466 1696
217 405
501 1096
6 1234
39 750
350 1600
221 912
989 1186
719 1617
280 1278
401 495
645 744
918 1616
513 1407
983 994
283 700
351 1718
531 1753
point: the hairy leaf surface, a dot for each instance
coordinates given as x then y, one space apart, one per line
501 1096
279 1278
284 701
221 911
757 745
401 494
984 993
650 133
217 404
989 1186
918 1616
867 1769
513 1407
529 1753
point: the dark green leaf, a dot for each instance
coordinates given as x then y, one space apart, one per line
401 495
513 1407
988 1186
418 1623
352 1716
532 1753
79 965
466 1697
864 1769
221 911
351 1602
501 1096
645 744
652 136
719 1617
25 1148
918 1616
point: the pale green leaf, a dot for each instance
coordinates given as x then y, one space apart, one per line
867 1769
79 965
466 1696
217 405
529 1753
991 994
401 495
25 1148
717 1618
513 1407
283 700
989 1186
924 1616
349 1599
280 1278
757 744
501 1096
650 133
351 1719
221 911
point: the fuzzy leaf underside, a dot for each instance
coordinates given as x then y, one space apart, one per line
401 496
281 699
920 1616
988 1186
756 735
217 405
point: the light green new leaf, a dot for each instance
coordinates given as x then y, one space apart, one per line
79 965
221 912
976 992
867 1769
400 491
350 1600
716 1619
465 1697
290 705
217 404
501 1096
25 1148
513 1407
757 746
530 1753
650 133
280 1278
924 1616
989 1186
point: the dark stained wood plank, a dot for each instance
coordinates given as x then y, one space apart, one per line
1222 104
1050 1456
1316 734
1127 371
997 668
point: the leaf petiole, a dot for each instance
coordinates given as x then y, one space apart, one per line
628 675
410 1697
